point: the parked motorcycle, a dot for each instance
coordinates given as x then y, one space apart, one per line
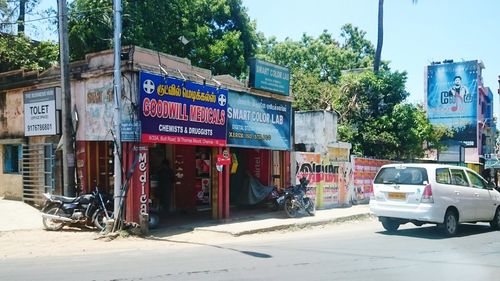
275 199
92 208
295 199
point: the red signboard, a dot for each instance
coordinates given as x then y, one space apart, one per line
221 160
138 192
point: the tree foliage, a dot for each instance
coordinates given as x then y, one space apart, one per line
217 35
20 52
16 50
337 75
10 14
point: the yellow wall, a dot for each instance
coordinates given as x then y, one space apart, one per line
11 185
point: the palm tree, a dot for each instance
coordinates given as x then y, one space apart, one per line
380 36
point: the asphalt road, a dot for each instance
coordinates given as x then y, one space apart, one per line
359 250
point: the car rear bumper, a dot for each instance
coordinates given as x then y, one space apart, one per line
417 212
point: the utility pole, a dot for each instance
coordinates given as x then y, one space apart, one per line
21 18
117 77
67 124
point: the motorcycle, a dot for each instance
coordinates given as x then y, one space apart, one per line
295 199
91 208
275 199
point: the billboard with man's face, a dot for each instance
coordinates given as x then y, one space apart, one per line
452 99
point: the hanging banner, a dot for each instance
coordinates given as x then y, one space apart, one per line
258 122
181 112
452 101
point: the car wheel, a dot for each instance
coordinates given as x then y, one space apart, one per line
450 224
390 225
495 223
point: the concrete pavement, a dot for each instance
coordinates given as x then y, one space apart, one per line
278 221
16 215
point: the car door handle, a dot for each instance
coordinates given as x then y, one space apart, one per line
457 192
476 194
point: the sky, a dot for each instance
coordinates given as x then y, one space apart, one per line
414 34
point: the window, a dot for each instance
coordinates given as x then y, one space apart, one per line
476 181
402 175
443 176
11 158
458 177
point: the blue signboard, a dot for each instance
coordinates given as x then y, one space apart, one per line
181 112
258 122
269 77
452 100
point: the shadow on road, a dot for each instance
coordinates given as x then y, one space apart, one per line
434 232
249 253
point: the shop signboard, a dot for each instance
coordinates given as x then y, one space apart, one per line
258 122
269 77
181 112
452 99
40 115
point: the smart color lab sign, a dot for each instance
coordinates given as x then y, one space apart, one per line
269 77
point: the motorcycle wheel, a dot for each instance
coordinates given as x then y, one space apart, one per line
154 220
99 218
50 224
276 206
290 211
311 208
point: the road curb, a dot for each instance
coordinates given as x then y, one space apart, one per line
300 225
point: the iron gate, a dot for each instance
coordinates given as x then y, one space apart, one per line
38 168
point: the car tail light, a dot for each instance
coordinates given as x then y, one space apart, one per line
427 195
371 192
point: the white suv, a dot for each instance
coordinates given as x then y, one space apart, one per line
433 193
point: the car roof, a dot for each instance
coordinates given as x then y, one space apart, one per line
423 165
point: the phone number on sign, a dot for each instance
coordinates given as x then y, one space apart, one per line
39 127
249 136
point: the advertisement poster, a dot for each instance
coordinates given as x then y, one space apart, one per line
258 122
309 165
330 184
364 172
181 112
452 99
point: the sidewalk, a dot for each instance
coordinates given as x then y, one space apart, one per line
16 215
278 221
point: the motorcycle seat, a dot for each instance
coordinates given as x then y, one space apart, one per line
63 199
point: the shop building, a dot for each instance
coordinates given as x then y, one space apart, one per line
210 129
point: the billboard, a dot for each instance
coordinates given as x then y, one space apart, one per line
181 112
452 99
258 122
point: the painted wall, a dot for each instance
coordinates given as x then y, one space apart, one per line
94 99
315 129
10 183
11 114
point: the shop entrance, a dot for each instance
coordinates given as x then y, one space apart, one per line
180 179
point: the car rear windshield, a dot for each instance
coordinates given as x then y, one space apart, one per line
402 175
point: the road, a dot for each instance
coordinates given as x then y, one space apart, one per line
359 250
